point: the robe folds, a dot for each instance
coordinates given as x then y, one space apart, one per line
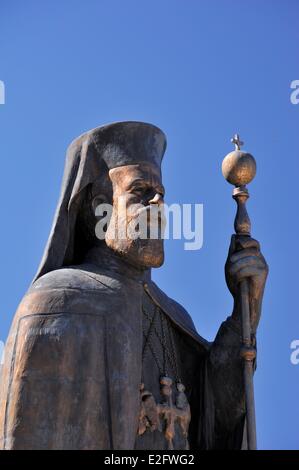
72 368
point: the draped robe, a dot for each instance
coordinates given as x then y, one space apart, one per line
73 366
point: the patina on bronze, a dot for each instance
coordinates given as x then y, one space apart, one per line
74 375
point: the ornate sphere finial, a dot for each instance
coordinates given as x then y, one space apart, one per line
238 168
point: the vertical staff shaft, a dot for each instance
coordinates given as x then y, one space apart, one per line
248 353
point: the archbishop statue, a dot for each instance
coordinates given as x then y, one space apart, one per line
98 357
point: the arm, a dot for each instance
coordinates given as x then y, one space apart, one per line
225 366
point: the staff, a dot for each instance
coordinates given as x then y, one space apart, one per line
239 168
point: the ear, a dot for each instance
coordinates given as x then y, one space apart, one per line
97 200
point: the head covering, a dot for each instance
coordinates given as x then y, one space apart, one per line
88 156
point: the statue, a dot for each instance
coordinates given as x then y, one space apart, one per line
98 357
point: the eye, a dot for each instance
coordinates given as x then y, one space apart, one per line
139 189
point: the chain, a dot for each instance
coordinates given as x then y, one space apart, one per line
172 345
161 370
152 324
162 342
167 355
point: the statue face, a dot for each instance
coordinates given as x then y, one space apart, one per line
137 189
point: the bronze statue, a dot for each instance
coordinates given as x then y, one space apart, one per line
98 357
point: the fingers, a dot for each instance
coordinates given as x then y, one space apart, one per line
253 272
242 242
248 252
249 261
245 261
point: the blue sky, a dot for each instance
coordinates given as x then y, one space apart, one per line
201 70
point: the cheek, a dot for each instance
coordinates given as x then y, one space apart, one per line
126 204
122 199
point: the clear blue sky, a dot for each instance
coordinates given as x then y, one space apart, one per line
201 70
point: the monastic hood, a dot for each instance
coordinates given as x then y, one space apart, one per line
94 152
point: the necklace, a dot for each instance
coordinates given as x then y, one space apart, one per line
163 416
169 361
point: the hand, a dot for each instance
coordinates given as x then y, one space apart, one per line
245 261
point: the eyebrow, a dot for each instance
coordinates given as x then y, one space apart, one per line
145 182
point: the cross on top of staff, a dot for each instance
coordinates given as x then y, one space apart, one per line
236 140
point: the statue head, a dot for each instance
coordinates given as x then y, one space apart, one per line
123 210
117 166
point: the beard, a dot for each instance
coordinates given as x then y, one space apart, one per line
140 253
135 244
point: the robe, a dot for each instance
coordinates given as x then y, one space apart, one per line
73 367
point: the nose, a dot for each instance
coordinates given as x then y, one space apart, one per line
157 199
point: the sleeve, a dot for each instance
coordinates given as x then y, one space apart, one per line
224 383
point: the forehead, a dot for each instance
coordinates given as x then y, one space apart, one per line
127 174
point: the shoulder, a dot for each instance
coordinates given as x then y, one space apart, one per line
75 290
76 277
